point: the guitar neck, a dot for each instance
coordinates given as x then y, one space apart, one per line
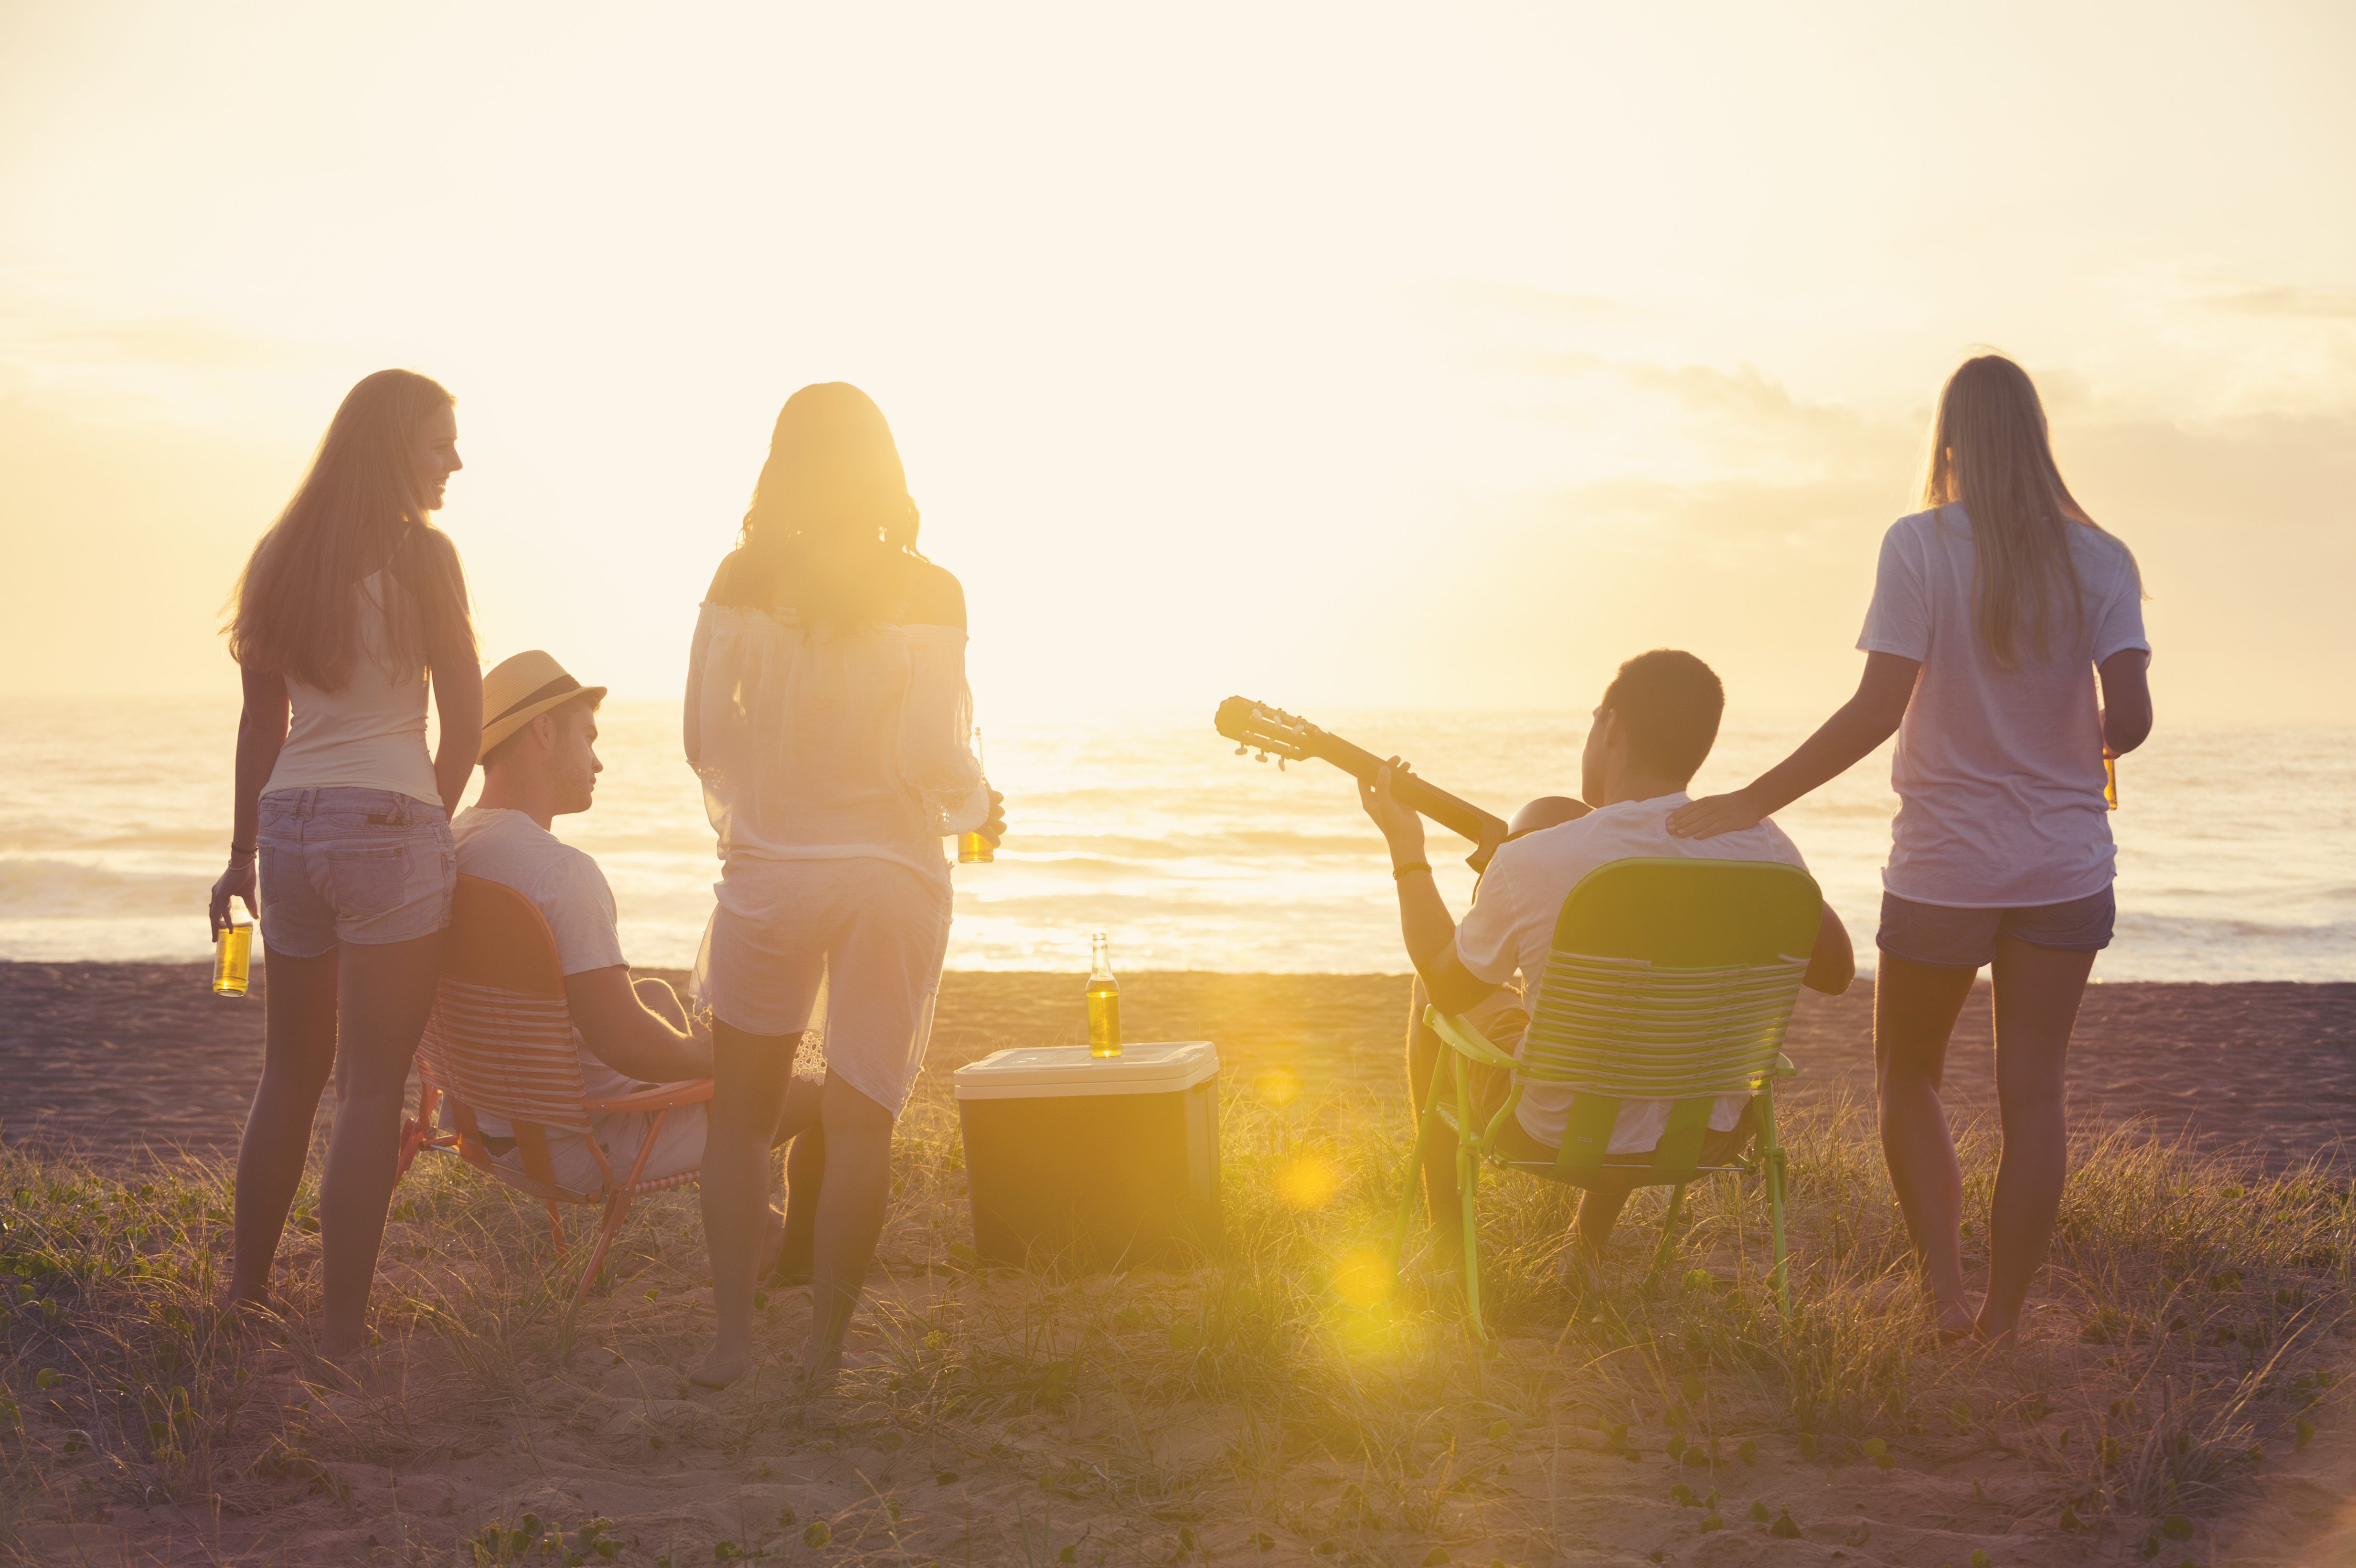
1460 817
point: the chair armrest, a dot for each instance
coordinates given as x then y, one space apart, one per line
661 1097
1464 1039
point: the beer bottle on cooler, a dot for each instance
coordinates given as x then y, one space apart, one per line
1104 999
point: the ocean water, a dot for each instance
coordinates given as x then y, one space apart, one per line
2237 846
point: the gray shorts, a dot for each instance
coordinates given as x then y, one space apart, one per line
1966 939
352 865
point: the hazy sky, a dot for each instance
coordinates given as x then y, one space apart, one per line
1337 355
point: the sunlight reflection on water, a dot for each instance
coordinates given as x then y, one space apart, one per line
2237 857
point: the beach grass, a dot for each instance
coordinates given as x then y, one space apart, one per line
1286 1399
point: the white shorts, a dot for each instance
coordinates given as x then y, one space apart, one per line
852 948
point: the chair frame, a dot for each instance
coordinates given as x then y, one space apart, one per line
530 942
1449 1111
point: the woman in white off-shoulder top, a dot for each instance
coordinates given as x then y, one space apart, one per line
827 716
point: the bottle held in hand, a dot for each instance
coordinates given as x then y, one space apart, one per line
972 848
2110 759
232 955
1104 999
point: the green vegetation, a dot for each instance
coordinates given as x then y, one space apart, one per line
1284 1395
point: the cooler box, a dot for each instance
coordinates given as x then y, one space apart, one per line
1097 1164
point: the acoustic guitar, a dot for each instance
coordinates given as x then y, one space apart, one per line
1254 726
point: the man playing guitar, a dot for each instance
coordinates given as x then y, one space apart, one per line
1651 732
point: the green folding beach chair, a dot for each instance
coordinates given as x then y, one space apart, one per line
1669 979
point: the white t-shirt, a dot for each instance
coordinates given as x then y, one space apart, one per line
1998 772
571 896
1511 926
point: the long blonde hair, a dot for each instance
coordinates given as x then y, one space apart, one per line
357 512
1992 454
831 530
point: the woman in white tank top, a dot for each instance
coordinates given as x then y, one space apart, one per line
351 607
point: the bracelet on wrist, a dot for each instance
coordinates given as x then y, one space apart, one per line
243 851
1398 872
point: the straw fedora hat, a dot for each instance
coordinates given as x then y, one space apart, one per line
517 689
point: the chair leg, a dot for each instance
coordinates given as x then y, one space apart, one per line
1778 1195
415 1132
1668 1241
617 1208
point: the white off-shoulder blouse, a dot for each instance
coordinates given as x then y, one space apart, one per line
834 744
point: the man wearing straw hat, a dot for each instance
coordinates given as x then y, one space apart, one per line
539 762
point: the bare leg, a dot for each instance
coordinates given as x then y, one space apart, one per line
383 995
749 1075
1915 1010
851 1202
805 1177
2036 994
1599 1212
1440 1199
297 1054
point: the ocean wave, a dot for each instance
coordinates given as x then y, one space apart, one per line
32 887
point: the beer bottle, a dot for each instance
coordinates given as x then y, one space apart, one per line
1104 999
233 956
972 848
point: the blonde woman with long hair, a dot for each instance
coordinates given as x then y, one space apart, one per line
351 605
1995 612
827 715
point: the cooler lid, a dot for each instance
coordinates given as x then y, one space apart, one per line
1021 1072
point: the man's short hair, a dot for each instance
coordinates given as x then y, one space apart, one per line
584 703
1670 703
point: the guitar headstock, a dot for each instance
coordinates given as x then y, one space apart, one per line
1256 726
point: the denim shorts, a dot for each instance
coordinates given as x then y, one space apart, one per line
1966 939
352 865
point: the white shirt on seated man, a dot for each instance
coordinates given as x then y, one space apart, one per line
1649 735
539 762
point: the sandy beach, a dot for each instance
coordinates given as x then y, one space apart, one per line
1263 1410
127 1061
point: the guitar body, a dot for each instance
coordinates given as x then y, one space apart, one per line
1254 726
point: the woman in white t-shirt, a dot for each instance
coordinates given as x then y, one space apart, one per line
827 717
351 607
1993 613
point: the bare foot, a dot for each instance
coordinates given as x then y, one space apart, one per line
2004 1339
253 1315
722 1367
1582 1271
821 1366
1954 1321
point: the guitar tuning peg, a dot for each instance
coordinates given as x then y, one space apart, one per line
1279 765
1242 750
1261 758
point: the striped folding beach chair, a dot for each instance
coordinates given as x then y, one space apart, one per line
500 1040
1669 979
